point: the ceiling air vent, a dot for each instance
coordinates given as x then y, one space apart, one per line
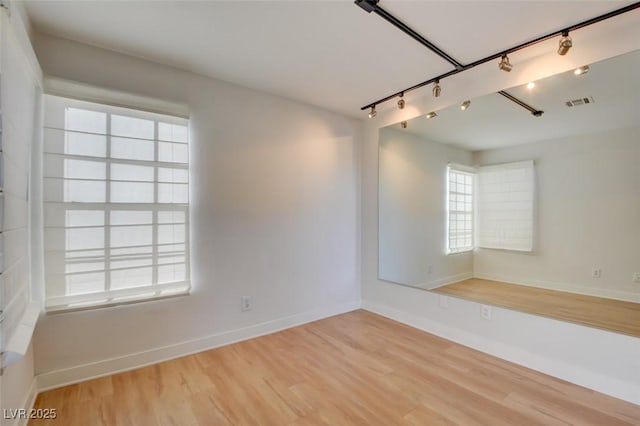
579 101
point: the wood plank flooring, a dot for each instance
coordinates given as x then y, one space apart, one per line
352 369
607 314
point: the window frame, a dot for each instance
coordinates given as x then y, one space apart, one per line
464 171
56 302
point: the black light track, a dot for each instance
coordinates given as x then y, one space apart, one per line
372 6
532 110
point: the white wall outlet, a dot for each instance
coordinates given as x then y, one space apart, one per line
596 273
485 312
443 301
429 269
636 277
245 303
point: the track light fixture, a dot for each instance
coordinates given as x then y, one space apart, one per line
582 70
465 105
436 89
504 64
403 124
431 115
401 102
564 44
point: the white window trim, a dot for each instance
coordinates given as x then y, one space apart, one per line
461 168
137 106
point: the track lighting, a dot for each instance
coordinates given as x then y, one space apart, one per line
532 110
465 105
436 89
403 124
431 115
401 102
581 70
564 44
373 112
504 64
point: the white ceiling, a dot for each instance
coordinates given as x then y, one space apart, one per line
328 53
493 121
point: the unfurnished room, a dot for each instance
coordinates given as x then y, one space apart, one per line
321 212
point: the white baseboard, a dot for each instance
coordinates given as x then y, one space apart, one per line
133 361
27 405
446 281
574 374
29 400
569 288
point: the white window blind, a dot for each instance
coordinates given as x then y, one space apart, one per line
19 103
116 193
460 206
505 206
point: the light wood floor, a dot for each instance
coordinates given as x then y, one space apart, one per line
353 369
608 314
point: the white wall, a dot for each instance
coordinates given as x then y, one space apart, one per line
412 211
600 360
274 214
588 210
20 86
18 388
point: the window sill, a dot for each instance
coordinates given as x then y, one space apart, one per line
18 344
90 307
453 253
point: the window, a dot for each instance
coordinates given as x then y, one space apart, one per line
505 206
460 193
19 90
116 193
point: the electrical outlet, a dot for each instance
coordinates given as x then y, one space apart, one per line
596 273
443 301
485 312
245 303
429 269
636 277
